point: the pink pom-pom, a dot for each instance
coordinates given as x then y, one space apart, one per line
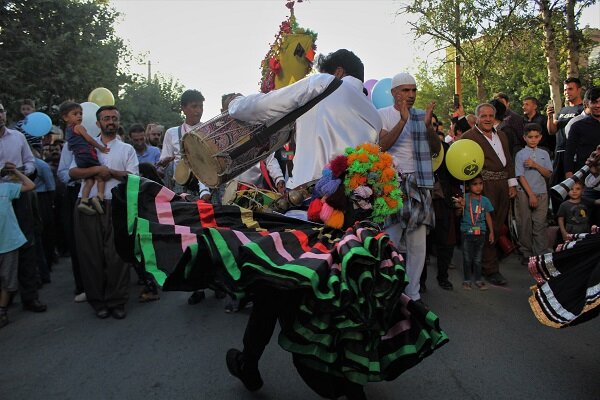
314 209
326 212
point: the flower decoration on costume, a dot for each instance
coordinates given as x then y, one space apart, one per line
291 55
365 178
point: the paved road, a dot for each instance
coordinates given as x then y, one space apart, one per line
170 350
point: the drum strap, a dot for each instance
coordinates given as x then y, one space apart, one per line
265 174
262 138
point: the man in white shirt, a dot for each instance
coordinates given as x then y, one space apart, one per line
192 105
408 135
105 276
345 118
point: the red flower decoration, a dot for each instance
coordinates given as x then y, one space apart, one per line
339 165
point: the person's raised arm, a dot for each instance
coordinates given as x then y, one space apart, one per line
81 131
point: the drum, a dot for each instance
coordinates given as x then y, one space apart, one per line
223 148
183 175
248 196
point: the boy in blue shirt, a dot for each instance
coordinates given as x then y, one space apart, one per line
476 214
532 167
11 236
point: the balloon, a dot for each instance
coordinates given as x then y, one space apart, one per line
464 159
369 86
436 161
102 97
89 118
37 124
381 94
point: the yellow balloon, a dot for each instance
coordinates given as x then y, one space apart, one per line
102 97
437 160
464 159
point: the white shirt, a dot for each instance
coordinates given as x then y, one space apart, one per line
254 174
345 118
497 146
402 149
15 149
121 157
171 146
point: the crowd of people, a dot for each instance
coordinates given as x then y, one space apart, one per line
56 190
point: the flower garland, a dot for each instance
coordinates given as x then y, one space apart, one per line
365 176
270 65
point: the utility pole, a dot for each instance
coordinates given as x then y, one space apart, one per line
149 71
457 72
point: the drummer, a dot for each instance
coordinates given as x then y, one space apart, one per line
345 118
192 105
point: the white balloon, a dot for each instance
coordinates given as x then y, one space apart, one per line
89 118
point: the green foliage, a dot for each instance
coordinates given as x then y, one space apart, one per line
54 50
156 101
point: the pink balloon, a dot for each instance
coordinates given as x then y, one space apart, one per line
369 85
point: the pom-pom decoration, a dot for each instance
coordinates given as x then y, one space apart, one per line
364 177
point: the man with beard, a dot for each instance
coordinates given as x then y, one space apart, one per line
153 134
145 153
105 276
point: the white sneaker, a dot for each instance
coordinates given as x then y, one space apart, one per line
81 298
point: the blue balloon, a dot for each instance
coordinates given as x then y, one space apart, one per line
381 95
37 124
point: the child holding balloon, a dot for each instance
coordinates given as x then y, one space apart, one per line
84 148
476 214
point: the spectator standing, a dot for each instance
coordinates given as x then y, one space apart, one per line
154 134
532 168
45 189
498 173
26 107
105 275
11 237
556 126
476 221
409 136
574 213
146 153
531 114
14 150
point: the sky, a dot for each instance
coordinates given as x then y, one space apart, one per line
217 46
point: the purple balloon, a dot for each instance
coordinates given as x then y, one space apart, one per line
369 86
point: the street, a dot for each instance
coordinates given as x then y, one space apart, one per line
170 350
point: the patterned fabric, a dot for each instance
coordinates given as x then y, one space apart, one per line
422 153
568 282
417 209
353 319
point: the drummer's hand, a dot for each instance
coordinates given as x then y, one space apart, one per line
206 198
281 187
165 161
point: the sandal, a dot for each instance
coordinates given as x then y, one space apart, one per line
481 285
467 285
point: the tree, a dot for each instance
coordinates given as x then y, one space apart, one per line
155 101
546 11
55 50
474 28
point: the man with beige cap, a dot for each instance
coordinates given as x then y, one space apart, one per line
409 136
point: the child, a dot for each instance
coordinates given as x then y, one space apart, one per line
84 148
574 214
11 237
476 213
532 167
